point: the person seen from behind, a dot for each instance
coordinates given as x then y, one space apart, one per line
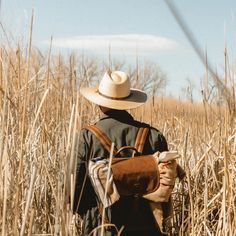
132 215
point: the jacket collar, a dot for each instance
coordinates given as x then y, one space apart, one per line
120 115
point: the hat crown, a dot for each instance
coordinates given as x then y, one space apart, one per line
114 91
115 85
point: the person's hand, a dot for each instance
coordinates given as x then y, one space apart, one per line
168 172
167 166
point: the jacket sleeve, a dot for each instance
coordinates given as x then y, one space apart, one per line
84 195
157 141
161 143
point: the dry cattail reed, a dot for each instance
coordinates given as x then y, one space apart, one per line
41 112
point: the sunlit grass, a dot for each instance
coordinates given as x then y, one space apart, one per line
40 112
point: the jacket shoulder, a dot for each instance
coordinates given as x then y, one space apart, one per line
157 140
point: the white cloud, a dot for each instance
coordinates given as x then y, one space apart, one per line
129 43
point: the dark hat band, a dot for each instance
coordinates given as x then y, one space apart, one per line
113 98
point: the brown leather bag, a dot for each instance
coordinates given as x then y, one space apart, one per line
133 175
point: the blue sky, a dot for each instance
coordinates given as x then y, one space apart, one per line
131 27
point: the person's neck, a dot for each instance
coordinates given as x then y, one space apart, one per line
104 109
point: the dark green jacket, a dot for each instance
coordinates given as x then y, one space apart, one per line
122 129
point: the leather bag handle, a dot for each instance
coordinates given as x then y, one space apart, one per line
125 148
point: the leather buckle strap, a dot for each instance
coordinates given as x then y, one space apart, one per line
141 138
106 142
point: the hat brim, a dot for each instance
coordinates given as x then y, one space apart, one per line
135 99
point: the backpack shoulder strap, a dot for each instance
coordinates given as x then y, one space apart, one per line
102 137
141 138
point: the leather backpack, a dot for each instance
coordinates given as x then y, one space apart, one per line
135 175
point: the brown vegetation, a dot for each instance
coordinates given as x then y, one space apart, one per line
40 112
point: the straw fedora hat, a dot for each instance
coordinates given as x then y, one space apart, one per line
114 92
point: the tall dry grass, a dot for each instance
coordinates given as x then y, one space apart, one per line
206 138
40 112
